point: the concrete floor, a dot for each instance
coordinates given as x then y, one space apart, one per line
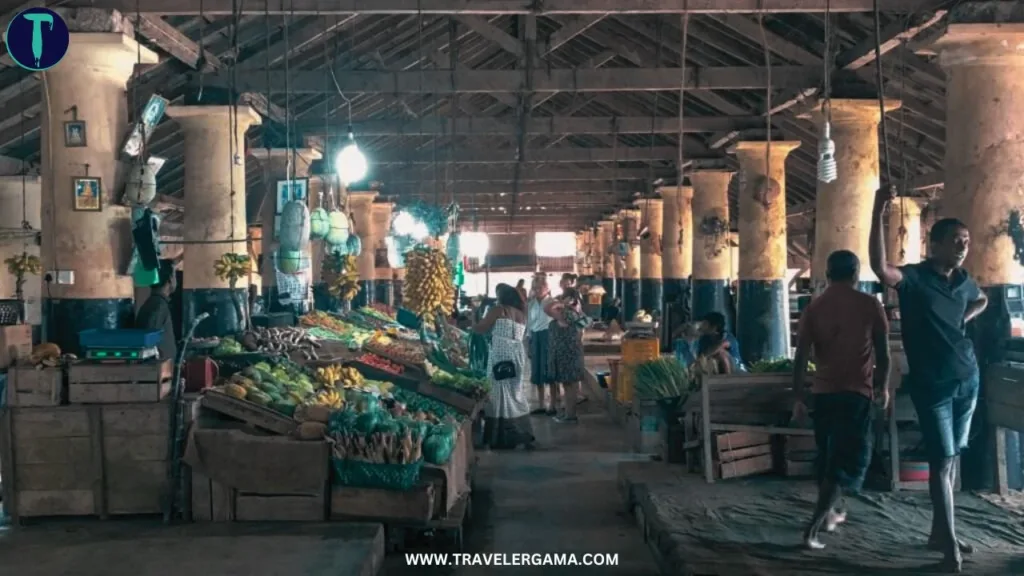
561 498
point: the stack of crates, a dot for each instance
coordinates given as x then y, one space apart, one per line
635 351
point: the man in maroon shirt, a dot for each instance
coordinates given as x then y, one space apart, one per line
849 335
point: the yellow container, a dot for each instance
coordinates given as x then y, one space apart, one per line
635 351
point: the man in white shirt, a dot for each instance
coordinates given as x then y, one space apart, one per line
537 331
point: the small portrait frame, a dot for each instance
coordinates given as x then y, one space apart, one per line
75 134
87 194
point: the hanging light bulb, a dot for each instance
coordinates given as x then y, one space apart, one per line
827 172
350 162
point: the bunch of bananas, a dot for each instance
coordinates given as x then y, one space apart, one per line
428 287
231 267
341 274
23 264
330 398
330 377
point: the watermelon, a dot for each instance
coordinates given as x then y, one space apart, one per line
338 227
290 261
354 245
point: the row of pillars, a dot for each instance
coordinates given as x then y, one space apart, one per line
89 250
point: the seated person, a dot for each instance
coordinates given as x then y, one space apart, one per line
713 324
713 354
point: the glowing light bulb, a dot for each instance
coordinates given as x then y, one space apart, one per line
351 163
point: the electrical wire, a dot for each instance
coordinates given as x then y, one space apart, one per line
682 91
233 116
767 97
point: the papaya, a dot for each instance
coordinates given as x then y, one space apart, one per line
235 391
311 431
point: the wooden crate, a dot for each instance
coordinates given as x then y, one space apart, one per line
15 344
84 460
452 479
416 505
92 383
28 386
254 414
215 502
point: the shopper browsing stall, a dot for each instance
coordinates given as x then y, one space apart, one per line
537 321
508 406
566 335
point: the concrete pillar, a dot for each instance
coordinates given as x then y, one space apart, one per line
631 290
383 275
20 200
903 234
652 296
360 206
606 249
843 207
981 52
712 255
92 245
275 164
763 322
215 219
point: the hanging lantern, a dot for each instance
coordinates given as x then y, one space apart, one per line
319 224
141 186
338 227
354 245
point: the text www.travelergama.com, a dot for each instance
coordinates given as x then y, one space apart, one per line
512 559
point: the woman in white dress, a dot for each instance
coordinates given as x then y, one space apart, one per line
508 407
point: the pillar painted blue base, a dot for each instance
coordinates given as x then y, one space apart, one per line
323 300
763 328
675 288
223 306
365 295
630 298
383 292
711 296
990 332
64 318
652 295
398 286
677 309
609 288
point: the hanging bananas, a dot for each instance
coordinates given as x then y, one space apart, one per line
341 274
23 264
428 287
232 267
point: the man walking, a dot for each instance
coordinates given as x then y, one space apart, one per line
537 331
937 298
849 335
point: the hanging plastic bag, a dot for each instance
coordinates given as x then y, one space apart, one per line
338 228
354 245
319 224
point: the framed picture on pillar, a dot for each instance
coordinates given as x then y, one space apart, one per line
300 189
74 134
289 190
88 194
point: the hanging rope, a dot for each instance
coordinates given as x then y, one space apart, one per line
685 21
137 74
659 40
881 92
767 98
233 116
902 230
202 47
826 102
290 154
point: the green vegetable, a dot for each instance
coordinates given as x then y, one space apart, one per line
663 378
776 365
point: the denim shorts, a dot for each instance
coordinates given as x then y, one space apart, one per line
843 433
944 412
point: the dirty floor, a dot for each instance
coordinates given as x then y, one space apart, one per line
561 498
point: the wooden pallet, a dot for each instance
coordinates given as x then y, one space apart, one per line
254 414
97 383
28 386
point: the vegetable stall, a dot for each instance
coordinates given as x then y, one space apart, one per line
345 416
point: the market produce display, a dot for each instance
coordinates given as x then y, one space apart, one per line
777 365
421 407
281 388
341 274
475 388
428 287
281 341
228 346
377 311
324 326
379 363
663 378
402 352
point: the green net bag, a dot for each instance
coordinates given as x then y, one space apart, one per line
360 474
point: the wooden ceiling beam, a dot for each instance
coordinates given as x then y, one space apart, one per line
534 156
540 126
511 81
497 7
528 173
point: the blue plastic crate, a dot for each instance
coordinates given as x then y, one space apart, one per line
127 338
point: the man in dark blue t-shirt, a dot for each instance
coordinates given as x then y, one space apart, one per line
937 298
